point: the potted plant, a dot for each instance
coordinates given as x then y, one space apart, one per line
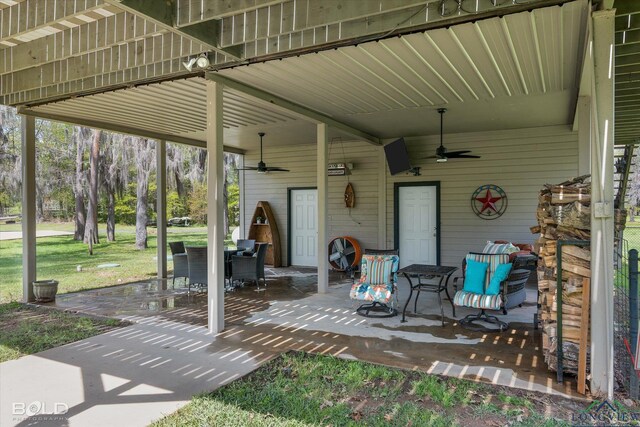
259 219
45 290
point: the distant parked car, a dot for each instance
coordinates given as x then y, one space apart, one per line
184 221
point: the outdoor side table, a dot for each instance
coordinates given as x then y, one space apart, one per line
438 277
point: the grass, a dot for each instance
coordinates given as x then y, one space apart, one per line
632 234
26 330
58 257
298 389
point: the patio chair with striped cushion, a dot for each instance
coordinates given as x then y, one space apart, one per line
492 295
378 283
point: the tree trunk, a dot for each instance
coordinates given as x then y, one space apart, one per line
632 214
111 216
143 167
142 190
39 206
77 189
91 230
179 185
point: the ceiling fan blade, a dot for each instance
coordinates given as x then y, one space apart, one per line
464 156
430 157
457 153
248 168
276 169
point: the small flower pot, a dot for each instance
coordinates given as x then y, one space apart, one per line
45 290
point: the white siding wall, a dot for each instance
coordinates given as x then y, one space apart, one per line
301 161
520 161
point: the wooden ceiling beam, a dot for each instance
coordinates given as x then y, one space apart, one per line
30 15
121 28
164 14
118 58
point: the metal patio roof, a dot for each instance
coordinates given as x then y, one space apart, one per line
64 49
511 72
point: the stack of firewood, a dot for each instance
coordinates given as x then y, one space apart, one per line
564 214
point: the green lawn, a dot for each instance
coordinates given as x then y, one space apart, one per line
632 234
25 329
58 257
298 389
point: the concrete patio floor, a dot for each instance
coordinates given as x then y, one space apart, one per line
136 374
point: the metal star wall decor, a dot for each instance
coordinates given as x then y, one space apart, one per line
489 201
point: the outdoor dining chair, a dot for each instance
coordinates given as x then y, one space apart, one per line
250 268
197 259
180 264
246 246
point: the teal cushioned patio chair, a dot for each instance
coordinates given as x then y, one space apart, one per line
377 284
483 301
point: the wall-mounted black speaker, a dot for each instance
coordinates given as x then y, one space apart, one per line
397 157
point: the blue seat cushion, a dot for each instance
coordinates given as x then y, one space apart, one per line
475 276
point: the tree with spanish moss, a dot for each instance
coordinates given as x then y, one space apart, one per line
144 154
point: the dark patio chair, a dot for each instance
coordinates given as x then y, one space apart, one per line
250 268
246 247
197 258
377 284
180 264
485 294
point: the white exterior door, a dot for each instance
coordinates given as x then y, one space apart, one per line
304 227
417 225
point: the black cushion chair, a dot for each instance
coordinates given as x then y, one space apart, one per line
246 247
180 264
245 268
197 258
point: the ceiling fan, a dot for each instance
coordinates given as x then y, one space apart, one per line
442 155
262 167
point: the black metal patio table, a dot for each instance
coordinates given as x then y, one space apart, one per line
439 279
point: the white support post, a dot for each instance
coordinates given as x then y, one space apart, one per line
602 205
584 135
161 208
323 183
28 207
382 199
241 200
215 211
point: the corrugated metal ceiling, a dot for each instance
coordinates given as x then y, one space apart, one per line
174 108
511 72
627 105
517 71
